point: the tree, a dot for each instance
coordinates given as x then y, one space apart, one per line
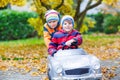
69 7
79 15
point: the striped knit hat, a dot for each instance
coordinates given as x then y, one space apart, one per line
52 15
67 17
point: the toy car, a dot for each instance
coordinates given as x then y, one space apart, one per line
74 64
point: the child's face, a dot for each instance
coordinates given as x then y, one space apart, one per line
53 23
67 25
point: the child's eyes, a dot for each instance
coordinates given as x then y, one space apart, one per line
49 22
52 21
67 23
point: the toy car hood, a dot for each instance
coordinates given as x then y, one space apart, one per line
74 58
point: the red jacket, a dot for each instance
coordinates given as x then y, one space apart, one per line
59 39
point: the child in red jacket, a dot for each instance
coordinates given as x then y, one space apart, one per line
65 37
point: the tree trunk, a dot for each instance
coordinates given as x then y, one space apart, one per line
6 7
80 15
9 6
79 21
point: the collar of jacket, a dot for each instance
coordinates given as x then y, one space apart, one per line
63 31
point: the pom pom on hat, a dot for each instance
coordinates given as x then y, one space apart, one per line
67 17
52 15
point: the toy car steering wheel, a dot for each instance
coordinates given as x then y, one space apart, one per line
72 44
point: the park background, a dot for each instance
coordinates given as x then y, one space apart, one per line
22 48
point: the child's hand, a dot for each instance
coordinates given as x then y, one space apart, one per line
68 43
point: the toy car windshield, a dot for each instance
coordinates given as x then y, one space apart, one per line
70 52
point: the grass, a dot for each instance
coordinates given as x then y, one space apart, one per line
36 45
40 41
97 37
30 41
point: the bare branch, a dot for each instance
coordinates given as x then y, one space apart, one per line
45 5
90 7
77 9
80 21
78 3
89 2
94 5
59 5
84 12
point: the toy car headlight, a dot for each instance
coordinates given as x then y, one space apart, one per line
95 63
58 69
96 66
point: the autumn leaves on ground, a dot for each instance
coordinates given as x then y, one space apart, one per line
24 58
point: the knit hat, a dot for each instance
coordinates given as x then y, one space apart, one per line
67 17
52 15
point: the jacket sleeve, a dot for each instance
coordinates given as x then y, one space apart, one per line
47 38
78 38
52 46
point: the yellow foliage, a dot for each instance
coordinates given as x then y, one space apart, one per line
3 3
69 1
33 8
37 24
35 74
87 23
45 1
94 44
66 8
3 66
37 2
111 2
90 22
84 28
18 2
55 3
37 7
41 10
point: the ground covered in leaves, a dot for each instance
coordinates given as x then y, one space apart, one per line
31 59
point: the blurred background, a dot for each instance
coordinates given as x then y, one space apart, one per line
22 47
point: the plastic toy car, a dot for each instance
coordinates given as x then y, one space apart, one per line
74 64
